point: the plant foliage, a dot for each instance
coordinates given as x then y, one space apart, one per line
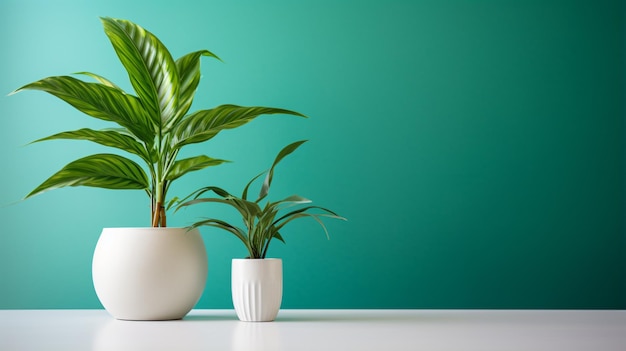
262 223
153 125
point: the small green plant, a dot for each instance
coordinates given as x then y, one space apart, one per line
154 125
262 223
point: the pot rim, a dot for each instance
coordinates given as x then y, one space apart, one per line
258 259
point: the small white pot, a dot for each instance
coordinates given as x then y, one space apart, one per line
149 273
257 288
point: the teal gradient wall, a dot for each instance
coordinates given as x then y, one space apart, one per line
476 147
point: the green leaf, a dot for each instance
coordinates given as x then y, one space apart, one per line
109 138
101 171
188 68
99 101
265 188
191 164
222 225
150 67
244 195
100 79
205 124
293 200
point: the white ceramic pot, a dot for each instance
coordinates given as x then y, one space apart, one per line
257 288
149 273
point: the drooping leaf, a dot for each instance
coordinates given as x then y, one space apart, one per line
305 215
287 216
99 101
109 138
100 170
246 210
205 124
292 200
265 188
150 66
191 164
222 225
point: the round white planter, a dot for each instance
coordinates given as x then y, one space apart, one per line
257 288
149 273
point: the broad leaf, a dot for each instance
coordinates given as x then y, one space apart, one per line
100 79
99 101
150 67
205 124
109 138
191 164
101 171
188 68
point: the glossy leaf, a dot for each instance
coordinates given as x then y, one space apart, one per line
150 67
203 125
109 138
99 101
101 80
188 68
191 164
153 125
100 170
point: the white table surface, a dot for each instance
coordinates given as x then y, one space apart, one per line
320 330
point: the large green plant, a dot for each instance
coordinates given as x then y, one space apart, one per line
262 223
154 125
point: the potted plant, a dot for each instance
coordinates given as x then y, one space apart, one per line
156 272
257 280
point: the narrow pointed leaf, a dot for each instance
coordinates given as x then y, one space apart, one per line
244 195
222 225
329 213
101 171
196 194
150 67
109 138
265 188
293 200
205 124
184 166
304 215
241 207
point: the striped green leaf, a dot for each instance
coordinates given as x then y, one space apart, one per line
100 170
109 138
100 79
99 101
191 164
150 67
188 68
203 125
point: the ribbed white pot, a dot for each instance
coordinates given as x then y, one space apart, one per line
257 288
149 273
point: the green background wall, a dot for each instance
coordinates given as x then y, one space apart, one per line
477 147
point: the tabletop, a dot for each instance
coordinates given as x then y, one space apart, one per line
326 330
